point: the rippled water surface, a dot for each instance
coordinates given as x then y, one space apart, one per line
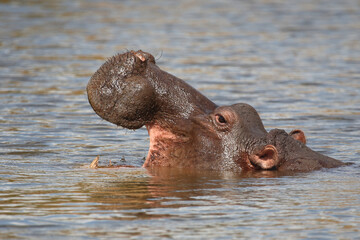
296 62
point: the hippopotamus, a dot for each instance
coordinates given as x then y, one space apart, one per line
186 129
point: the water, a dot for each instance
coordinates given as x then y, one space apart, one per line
296 62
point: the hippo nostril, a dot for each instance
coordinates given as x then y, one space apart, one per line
140 56
143 56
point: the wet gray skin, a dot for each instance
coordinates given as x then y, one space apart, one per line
186 129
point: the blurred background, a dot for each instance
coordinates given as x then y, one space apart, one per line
296 62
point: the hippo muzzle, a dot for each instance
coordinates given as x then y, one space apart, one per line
119 93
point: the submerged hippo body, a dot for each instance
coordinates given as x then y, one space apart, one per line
186 129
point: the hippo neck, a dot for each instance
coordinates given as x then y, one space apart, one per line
178 146
166 146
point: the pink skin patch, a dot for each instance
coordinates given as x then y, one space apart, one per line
159 141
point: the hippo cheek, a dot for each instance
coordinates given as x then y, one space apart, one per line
203 125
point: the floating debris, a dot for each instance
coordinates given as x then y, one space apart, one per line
95 163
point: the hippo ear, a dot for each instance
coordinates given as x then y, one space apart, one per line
299 135
266 158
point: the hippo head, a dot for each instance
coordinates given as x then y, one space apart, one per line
186 129
244 140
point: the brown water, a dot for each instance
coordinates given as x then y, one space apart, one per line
296 62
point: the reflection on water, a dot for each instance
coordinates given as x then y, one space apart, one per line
296 62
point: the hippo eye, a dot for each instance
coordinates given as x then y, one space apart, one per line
220 119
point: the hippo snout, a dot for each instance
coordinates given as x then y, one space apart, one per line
119 93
